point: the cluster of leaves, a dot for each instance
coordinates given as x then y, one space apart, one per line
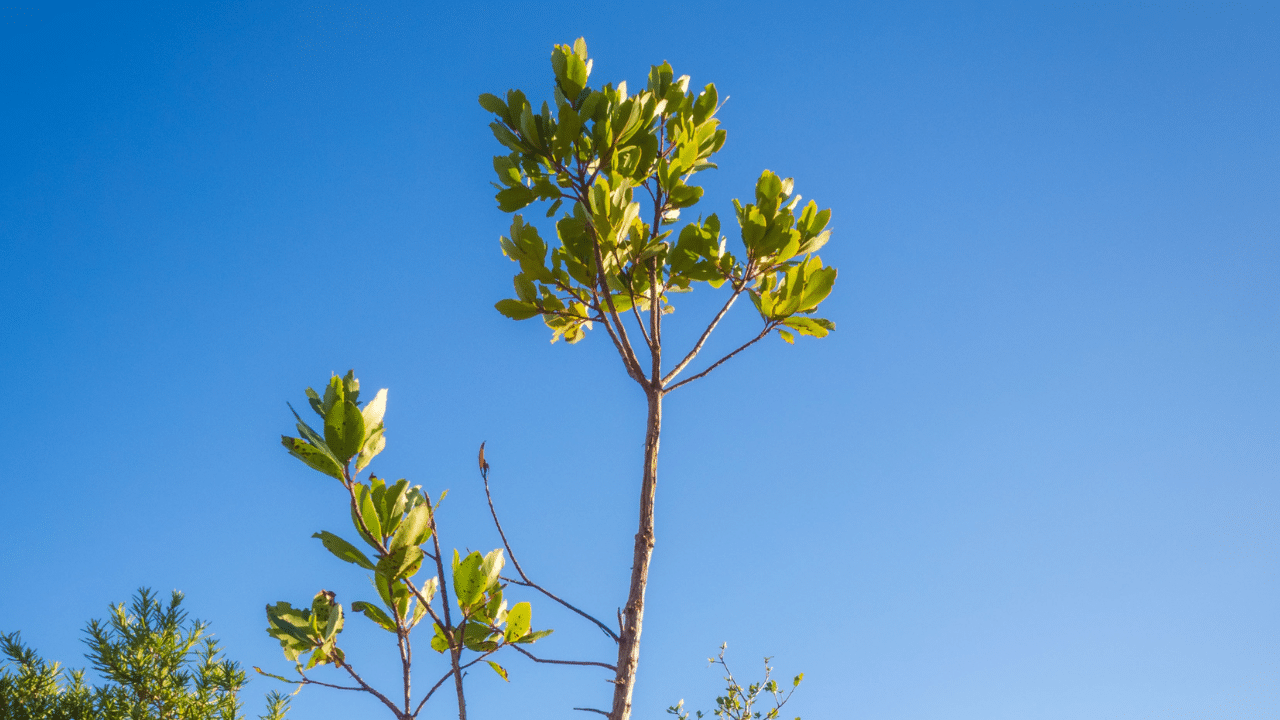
738 703
393 521
158 665
596 148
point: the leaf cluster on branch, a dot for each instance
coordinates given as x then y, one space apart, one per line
606 152
396 524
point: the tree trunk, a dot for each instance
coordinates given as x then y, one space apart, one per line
633 614
455 654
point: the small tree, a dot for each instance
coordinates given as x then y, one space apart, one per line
395 521
158 664
624 164
739 703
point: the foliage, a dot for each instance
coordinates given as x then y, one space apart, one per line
625 164
597 149
393 520
157 664
739 703
32 689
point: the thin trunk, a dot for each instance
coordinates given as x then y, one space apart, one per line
633 615
456 654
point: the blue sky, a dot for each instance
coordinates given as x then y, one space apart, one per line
1032 475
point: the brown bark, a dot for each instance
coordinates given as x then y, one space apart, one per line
633 614
455 655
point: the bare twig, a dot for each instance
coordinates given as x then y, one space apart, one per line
484 474
455 649
697 347
532 657
767 329
593 710
418 594
432 692
365 686
623 342
308 681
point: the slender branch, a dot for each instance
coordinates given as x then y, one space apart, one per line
655 326
767 329
432 692
330 685
455 652
355 510
425 603
636 313
697 347
617 343
531 656
476 660
655 305
484 474
407 653
593 710
308 681
628 353
365 686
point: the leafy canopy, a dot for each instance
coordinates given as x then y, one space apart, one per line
603 150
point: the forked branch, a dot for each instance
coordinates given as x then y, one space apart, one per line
767 329
697 347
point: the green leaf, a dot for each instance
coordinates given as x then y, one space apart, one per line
402 563
344 430
479 638
791 339
428 590
343 550
517 310
312 456
288 624
333 392
514 198
368 512
373 410
498 669
493 104
492 567
439 642
374 613
305 430
374 444
414 530
395 500
352 386
508 138
815 327
768 188
819 284
518 620
468 582
334 621
534 636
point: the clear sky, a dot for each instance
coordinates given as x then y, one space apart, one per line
1034 473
